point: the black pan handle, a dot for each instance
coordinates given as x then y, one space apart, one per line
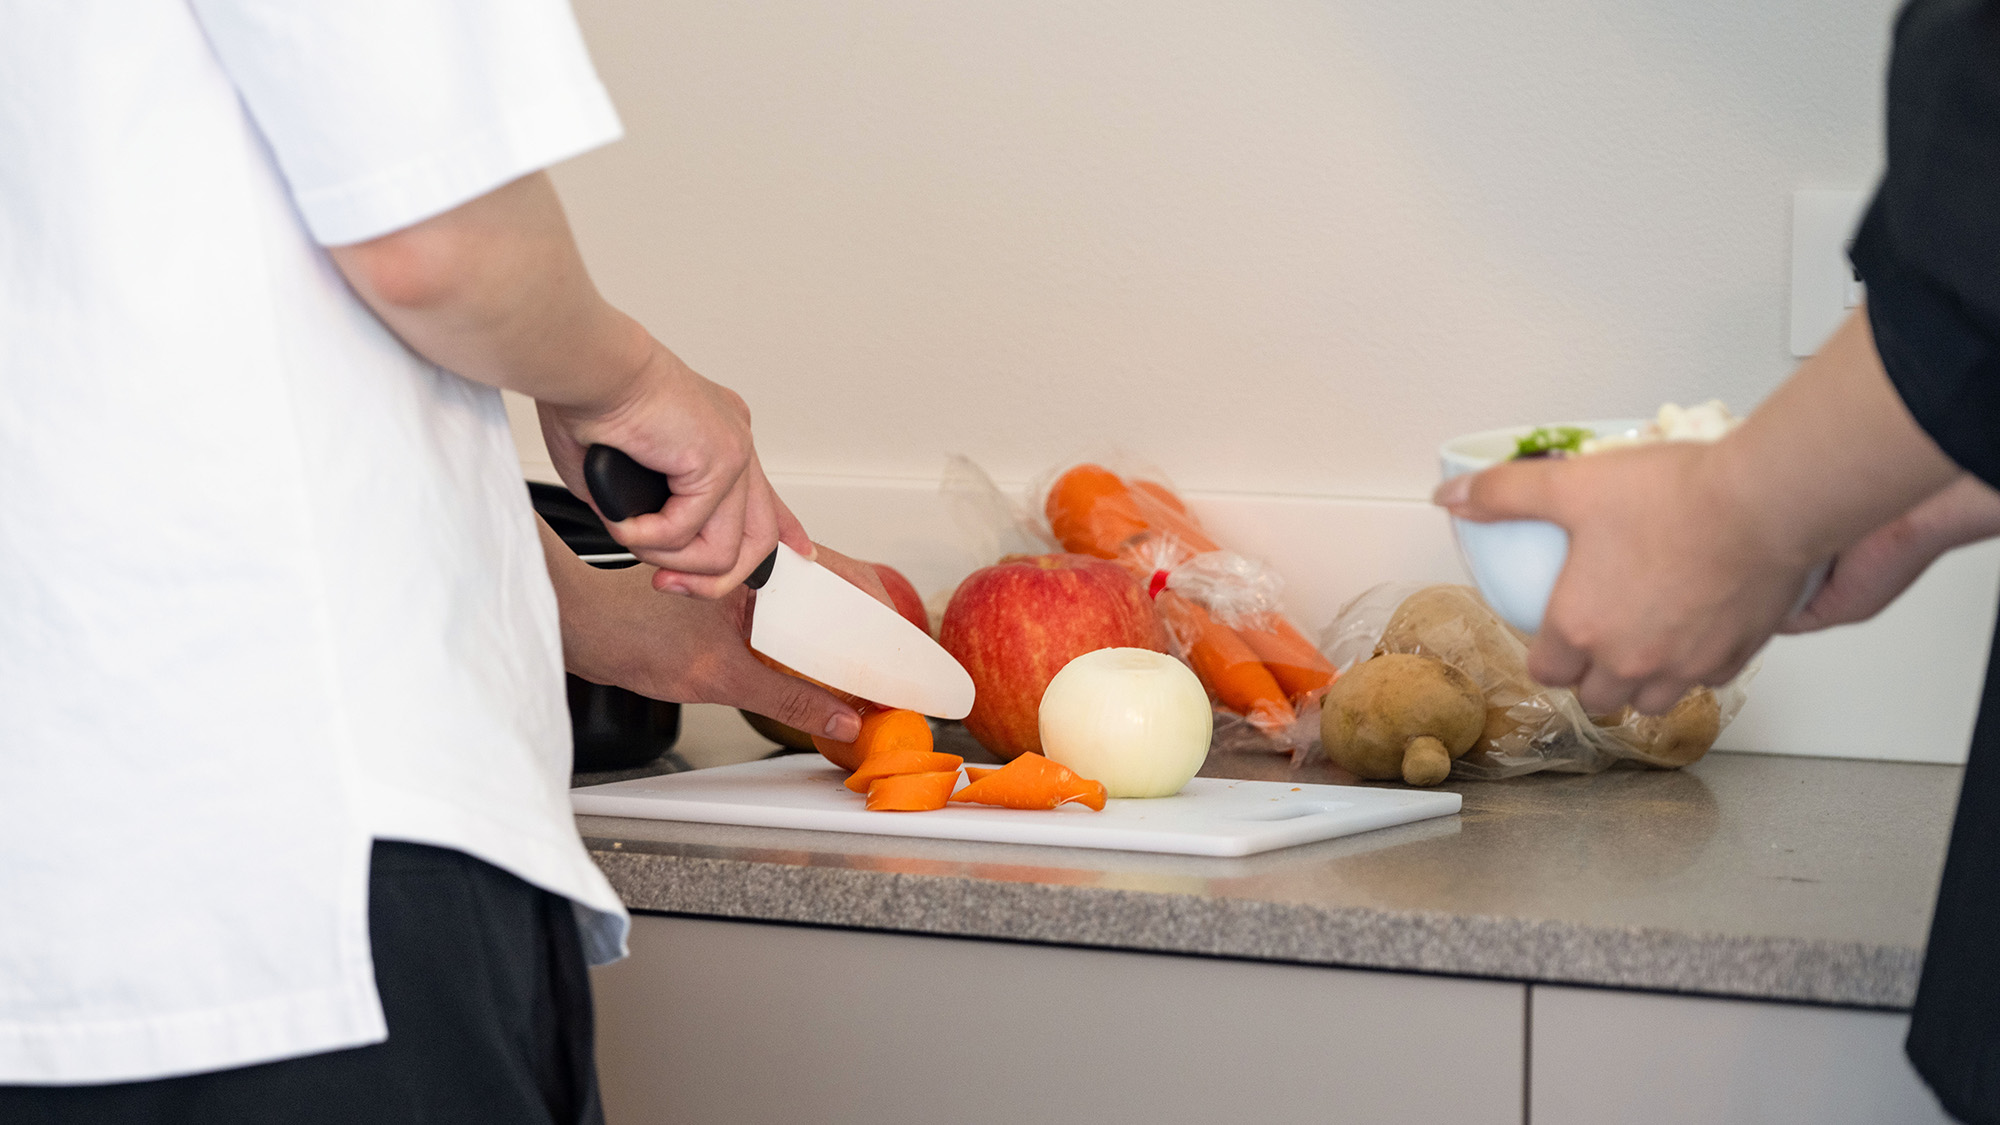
624 488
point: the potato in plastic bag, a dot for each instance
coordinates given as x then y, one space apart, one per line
1529 727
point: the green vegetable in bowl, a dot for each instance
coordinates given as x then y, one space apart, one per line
1545 440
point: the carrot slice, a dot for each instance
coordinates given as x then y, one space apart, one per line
904 729
911 792
974 773
1032 782
894 761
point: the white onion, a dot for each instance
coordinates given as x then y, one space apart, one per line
1134 719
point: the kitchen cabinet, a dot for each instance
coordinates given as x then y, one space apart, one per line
1600 1055
721 1022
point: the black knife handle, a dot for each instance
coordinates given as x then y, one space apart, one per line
624 488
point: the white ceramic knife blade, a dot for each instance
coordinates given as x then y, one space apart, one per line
820 625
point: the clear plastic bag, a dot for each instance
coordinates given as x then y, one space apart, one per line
1221 610
1529 727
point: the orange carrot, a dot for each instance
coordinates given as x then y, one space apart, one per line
895 760
1292 660
901 729
1226 664
1092 512
912 792
1032 782
974 773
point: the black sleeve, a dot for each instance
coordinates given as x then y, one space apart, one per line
1929 247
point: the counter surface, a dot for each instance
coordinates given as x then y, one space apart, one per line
1776 878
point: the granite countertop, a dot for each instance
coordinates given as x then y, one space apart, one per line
1776 878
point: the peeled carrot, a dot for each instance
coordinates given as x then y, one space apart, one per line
895 761
879 729
1032 782
912 792
1226 664
974 773
1291 659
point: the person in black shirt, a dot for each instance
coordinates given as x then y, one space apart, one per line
1881 452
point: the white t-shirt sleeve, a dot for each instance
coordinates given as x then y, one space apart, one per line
382 113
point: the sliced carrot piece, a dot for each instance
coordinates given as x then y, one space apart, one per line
879 729
911 792
1032 782
894 761
974 773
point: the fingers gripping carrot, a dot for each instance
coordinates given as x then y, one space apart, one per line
879 730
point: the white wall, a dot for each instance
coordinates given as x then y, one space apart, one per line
1275 246
1281 249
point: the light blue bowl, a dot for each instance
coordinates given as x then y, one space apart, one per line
1514 562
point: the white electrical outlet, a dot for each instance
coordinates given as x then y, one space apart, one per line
1824 287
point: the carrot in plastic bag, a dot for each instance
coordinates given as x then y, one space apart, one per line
1032 782
1292 660
1092 511
1226 664
912 792
879 729
893 761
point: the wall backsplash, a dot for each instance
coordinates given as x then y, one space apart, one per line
1278 247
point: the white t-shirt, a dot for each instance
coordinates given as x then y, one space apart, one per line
269 582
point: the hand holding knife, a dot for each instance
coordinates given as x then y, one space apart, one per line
806 617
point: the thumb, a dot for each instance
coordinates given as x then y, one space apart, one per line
1516 490
797 704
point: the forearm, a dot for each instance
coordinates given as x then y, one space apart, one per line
1965 511
1832 455
575 609
496 291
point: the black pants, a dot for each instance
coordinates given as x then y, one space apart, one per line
488 1004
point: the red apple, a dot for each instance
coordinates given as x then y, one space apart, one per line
903 596
1014 625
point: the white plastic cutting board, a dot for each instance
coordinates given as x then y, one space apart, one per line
1212 816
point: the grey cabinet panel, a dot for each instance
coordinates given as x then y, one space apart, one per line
1637 1059
715 1022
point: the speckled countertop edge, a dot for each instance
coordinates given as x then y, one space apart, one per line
1850 974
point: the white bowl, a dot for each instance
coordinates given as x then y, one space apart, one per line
1515 562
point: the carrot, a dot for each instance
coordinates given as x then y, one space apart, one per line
903 729
912 792
1226 664
1092 512
1292 660
974 773
1032 782
897 760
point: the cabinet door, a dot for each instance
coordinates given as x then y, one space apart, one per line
715 1022
1637 1059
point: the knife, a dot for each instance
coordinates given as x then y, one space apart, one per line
808 618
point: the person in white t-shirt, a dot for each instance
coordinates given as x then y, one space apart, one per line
283 751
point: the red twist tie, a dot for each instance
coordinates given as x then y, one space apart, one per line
1158 583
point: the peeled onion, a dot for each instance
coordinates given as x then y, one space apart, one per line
1134 719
